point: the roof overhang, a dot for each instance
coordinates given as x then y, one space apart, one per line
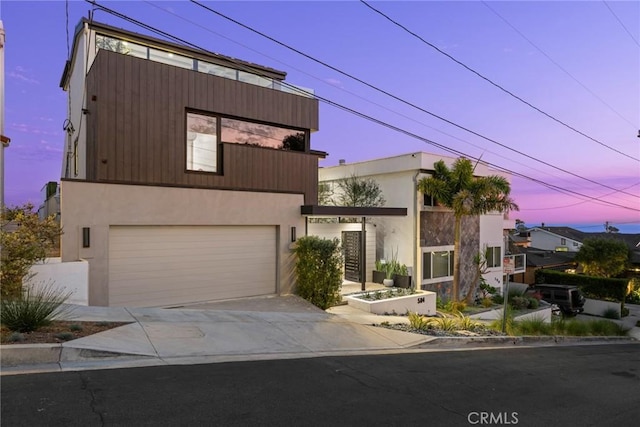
344 211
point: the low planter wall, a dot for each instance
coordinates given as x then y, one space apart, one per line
422 302
543 313
70 276
597 307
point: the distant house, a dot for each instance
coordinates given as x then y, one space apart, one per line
558 239
569 240
423 240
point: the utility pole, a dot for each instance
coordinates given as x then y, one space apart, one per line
5 140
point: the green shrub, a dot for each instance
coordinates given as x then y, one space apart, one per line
16 337
455 306
518 303
23 245
533 326
576 328
533 303
439 303
417 321
64 336
509 325
498 299
35 308
444 323
592 287
611 313
603 327
466 323
75 327
319 270
486 302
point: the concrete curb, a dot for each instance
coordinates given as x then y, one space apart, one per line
40 354
47 354
526 340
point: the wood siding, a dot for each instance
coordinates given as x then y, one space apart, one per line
136 128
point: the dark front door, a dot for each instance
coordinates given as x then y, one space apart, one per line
351 245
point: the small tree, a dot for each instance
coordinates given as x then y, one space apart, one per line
359 192
466 195
603 257
25 240
325 194
319 270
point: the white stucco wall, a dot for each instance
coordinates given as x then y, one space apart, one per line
334 231
397 177
491 235
99 206
83 58
67 277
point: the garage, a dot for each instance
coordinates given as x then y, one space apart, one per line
152 266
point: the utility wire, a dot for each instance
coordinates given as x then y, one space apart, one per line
243 66
496 84
323 81
404 101
621 23
564 70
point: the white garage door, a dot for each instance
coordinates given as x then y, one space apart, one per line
170 265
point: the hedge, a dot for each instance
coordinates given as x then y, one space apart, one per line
592 287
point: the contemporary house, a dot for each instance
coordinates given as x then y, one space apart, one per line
423 240
184 171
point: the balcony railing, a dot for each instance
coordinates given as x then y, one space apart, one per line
158 55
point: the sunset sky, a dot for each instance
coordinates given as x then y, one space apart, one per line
578 62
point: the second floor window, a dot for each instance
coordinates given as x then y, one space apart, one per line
494 256
202 145
204 133
436 264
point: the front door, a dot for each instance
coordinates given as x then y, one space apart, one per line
351 245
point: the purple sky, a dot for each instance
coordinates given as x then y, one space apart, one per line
581 41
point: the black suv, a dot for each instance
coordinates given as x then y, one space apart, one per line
568 298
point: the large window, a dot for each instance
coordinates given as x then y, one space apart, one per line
437 264
261 135
494 256
203 132
202 147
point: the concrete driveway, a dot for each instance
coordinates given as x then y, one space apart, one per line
248 329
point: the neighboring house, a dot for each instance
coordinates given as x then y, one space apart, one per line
543 259
423 240
183 172
50 196
565 239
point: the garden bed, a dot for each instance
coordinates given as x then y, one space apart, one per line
398 301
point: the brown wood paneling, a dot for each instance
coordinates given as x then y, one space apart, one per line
141 133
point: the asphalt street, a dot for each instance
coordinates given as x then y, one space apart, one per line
596 385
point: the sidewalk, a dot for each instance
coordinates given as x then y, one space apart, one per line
241 330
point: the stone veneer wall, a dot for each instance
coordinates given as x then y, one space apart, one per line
436 229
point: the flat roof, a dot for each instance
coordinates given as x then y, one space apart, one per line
315 210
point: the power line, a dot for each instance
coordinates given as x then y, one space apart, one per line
564 70
576 204
462 64
243 66
621 23
403 100
193 23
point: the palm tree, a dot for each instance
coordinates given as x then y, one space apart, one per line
467 195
